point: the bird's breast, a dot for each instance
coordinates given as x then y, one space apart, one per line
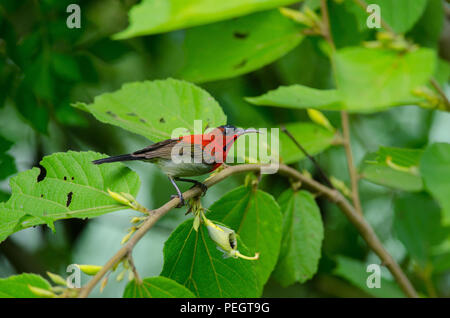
183 169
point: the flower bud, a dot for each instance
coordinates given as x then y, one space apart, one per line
225 239
90 269
41 292
118 197
57 279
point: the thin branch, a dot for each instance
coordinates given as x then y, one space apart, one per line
137 278
351 167
313 160
441 92
331 194
344 118
326 24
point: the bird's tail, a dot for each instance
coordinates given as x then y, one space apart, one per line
127 157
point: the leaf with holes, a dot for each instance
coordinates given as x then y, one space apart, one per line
191 258
66 185
394 167
302 238
155 109
239 46
156 287
17 286
156 16
256 217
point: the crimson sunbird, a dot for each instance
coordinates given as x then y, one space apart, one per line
187 156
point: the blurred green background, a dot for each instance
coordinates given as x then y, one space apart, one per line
44 66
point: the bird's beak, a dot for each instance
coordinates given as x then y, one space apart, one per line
247 131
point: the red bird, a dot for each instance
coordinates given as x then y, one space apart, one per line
187 156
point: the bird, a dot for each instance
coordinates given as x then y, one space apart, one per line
187 156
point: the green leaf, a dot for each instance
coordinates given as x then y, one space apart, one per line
393 167
312 137
66 185
192 259
355 272
299 97
66 67
435 170
7 164
427 30
376 79
238 46
30 108
17 286
156 287
256 217
417 224
302 238
401 15
4 196
344 25
155 109
156 16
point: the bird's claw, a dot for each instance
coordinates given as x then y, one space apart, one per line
202 186
182 202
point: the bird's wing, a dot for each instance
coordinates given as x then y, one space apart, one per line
166 148
162 149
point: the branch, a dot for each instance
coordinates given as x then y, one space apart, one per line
351 167
333 195
344 117
311 158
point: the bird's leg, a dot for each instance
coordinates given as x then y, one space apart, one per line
178 192
202 186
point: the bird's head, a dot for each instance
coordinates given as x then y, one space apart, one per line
224 137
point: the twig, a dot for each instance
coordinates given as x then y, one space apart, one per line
313 160
441 92
344 119
331 194
351 167
137 278
326 24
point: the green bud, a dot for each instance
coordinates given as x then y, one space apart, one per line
41 292
128 235
118 197
121 275
57 279
196 223
103 284
90 269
